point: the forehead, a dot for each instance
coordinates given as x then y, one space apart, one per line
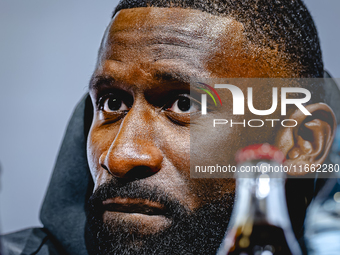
187 42
162 22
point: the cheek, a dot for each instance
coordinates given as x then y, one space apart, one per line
98 142
176 148
196 192
93 153
214 145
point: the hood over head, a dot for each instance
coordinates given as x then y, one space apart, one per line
63 209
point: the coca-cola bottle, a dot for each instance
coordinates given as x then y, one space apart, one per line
259 223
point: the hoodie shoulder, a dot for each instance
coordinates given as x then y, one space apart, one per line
29 241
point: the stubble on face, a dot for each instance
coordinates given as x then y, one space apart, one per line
189 232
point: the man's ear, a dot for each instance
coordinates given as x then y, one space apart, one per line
309 142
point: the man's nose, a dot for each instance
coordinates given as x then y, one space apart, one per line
133 154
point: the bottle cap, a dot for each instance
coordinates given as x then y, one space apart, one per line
258 152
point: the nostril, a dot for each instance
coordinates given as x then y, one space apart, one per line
139 172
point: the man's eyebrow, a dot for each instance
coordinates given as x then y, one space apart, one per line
99 81
181 78
172 76
106 81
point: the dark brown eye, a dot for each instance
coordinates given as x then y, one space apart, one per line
114 103
183 104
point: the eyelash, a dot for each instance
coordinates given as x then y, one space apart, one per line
124 98
170 103
129 101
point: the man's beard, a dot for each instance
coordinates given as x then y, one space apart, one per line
198 232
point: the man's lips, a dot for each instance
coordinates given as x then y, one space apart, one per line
134 205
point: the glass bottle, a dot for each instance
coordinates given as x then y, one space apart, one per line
260 223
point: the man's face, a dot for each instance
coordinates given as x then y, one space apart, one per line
139 143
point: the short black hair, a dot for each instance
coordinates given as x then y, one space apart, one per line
285 25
